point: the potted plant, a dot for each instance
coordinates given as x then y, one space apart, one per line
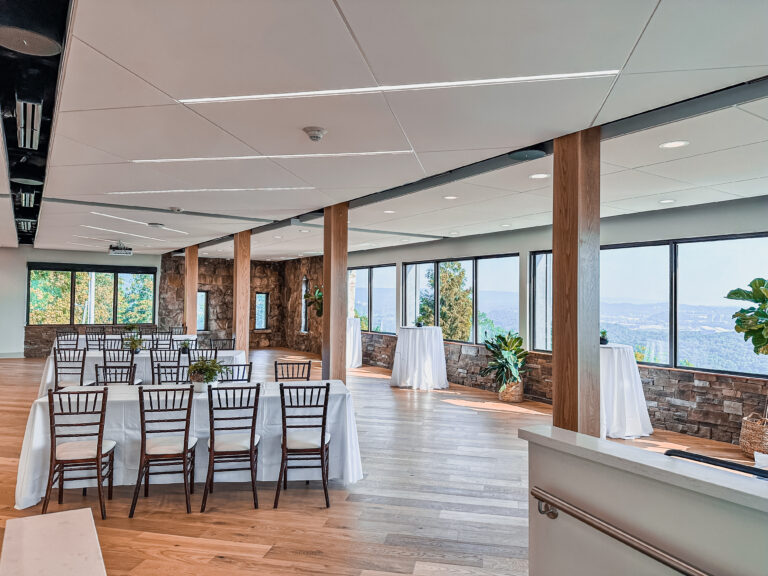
753 323
315 298
133 343
204 373
184 346
130 327
507 365
603 337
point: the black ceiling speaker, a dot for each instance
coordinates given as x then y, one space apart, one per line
27 174
31 27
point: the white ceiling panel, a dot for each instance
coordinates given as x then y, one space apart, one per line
632 183
100 179
355 123
93 81
8 237
746 188
757 107
687 197
511 116
198 48
444 160
412 41
68 152
150 132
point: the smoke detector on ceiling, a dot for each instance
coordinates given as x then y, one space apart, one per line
176 209
315 133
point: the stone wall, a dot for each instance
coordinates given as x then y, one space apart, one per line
379 349
267 277
293 274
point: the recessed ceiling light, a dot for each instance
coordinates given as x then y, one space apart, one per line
666 201
539 176
204 253
304 231
450 197
405 87
505 225
454 233
277 237
271 157
189 190
674 144
389 211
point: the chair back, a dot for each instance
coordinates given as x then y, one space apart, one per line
202 354
222 343
68 367
128 336
233 408
111 344
120 357
237 373
77 416
165 411
94 340
95 330
178 330
177 342
292 370
147 330
162 340
121 374
164 358
305 407
67 339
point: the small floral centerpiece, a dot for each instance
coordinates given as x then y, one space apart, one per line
603 337
204 373
185 345
133 343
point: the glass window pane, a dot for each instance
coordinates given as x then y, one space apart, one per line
498 296
542 301
202 310
49 296
634 300
94 297
304 307
383 315
261 314
706 272
357 295
456 300
135 298
420 294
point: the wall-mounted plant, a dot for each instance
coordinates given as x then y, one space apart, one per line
314 298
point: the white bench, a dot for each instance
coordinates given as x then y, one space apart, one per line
58 544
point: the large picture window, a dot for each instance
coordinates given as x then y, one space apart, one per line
357 295
541 298
371 296
261 312
81 294
498 296
456 297
202 311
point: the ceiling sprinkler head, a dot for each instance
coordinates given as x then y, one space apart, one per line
176 209
315 133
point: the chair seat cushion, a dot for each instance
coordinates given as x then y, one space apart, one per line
234 442
82 449
305 439
168 444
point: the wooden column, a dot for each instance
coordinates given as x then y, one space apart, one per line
241 291
576 282
190 289
335 292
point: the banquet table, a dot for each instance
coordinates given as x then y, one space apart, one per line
420 359
143 366
146 339
623 412
122 425
354 343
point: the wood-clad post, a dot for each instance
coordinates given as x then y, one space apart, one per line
576 282
335 292
241 291
190 289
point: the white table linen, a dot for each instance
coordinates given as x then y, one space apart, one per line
146 339
122 425
354 343
623 412
420 359
143 366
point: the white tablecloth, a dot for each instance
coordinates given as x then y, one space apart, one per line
81 339
354 343
623 412
123 426
420 359
143 366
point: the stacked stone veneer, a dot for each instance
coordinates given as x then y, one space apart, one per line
38 340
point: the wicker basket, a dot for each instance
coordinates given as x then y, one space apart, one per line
512 393
754 435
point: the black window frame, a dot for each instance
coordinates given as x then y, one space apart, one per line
266 310
206 327
104 268
369 271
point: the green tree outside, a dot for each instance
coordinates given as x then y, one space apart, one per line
49 296
135 298
455 306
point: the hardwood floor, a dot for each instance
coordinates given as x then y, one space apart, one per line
445 492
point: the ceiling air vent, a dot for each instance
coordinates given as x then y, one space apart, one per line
29 116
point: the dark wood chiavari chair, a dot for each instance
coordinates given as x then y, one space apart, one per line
171 358
69 367
112 344
237 373
179 330
166 375
95 330
305 437
67 339
222 343
94 340
176 343
77 418
292 370
165 440
202 354
107 375
147 330
232 412
162 341
122 358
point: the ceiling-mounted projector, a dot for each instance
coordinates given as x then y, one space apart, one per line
120 249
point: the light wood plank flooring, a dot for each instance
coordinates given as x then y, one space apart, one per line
445 492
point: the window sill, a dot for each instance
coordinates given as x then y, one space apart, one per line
262 331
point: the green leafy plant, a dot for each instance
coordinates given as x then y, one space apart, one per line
753 321
507 359
185 344
206 370
133 342
130 327
315 298
604 334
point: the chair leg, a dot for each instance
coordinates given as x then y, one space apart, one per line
139 476
208 483
324 472
48 488
111 477
254 457
85 491
185 471
192 475
285 476
100 488
61 485
146 481
280 480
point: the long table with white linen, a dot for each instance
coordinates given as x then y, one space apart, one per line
123 426
623 411
142 360
146 339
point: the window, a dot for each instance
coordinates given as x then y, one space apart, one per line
261 312
455 292
498 296
202 311
706 272
304 317
83 294
541 298
384 299
634 299
420 294
357 296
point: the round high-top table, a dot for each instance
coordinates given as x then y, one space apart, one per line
623 412
354 343
420 359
